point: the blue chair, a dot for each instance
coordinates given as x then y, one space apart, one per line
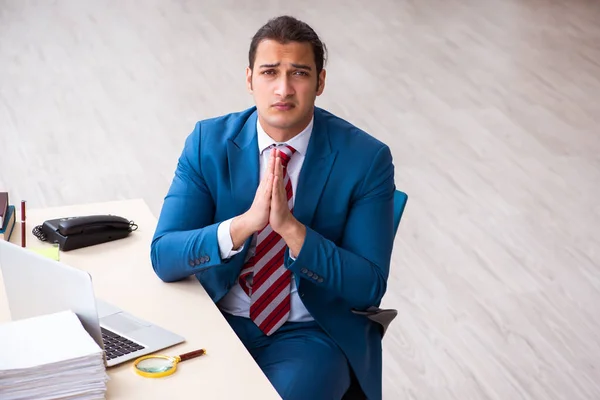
381 316
400 199
376 314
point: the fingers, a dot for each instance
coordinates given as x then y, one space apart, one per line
278 170
279 176
268 184
272 157
277 181
281 189
278 190
274 190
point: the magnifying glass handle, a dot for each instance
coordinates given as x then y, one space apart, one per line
192 354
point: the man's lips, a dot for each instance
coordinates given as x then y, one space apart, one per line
283 106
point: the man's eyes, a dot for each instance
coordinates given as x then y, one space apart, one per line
273 72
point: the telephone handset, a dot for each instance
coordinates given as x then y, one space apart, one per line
76 232
80 225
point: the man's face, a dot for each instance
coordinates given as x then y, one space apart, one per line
283 81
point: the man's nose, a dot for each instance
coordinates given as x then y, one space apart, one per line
284 87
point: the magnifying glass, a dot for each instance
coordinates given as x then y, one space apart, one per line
158 366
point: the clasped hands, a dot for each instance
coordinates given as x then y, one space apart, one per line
270 206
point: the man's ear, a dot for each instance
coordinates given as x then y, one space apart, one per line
321 83
249 79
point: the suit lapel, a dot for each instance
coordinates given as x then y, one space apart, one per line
242 156
315 170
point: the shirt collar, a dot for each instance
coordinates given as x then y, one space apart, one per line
298 142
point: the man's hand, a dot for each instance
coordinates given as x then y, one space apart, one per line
257 217
281 218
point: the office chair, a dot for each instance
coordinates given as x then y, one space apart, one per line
354 392
400 199
376 314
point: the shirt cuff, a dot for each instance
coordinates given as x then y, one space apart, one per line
291 255
224 240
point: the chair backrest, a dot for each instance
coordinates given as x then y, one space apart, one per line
355 392
400 199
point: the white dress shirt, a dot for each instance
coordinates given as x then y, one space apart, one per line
236 301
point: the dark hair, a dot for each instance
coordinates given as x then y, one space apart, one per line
287 29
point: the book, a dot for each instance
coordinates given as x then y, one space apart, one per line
3 207
9 225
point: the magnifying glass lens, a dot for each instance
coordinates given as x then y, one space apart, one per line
155 365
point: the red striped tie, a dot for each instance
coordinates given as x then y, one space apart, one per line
264 277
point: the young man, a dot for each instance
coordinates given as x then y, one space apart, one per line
284 213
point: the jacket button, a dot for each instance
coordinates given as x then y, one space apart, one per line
192 263
315 277
198 261
320 280
309 274
207 258
304 270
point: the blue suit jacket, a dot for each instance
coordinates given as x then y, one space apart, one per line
344 196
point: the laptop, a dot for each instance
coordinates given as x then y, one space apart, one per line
37 285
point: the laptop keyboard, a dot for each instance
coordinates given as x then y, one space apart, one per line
116 345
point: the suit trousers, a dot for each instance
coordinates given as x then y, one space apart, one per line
299 359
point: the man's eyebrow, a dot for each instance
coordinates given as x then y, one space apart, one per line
302 66
275 65
270 65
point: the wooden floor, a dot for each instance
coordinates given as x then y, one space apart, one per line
492 111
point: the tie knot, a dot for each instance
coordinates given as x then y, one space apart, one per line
286 153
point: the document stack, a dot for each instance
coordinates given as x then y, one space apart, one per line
50 357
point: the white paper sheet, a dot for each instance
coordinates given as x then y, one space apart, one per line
50 356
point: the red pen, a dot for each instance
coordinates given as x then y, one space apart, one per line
23 216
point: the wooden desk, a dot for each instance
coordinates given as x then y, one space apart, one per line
122 275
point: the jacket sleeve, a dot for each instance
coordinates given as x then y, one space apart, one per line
357 269
185 241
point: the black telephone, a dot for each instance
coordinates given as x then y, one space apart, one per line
75 232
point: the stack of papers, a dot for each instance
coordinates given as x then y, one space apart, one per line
50 357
